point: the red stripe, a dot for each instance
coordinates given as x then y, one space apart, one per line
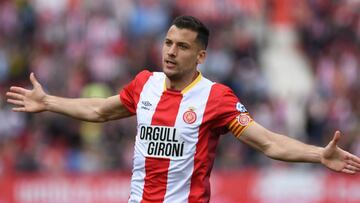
205 152
155 179
130 94
157 168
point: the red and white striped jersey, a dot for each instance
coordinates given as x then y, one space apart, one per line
177 135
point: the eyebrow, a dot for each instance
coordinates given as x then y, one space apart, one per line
179 43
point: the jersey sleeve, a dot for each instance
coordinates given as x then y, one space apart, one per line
130 94
231 113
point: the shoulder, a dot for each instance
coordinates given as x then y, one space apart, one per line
143 75
220 95
223 96
217 90
221 89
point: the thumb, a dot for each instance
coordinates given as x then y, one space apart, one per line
33 80
336 138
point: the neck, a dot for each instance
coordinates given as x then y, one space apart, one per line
180 84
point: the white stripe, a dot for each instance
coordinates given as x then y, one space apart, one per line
180 171
150 95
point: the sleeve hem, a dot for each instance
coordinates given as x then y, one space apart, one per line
126 105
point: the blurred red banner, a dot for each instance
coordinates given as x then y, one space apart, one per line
249 186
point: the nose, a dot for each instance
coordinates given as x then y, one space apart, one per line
172 50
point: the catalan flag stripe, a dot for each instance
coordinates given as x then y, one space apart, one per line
232 124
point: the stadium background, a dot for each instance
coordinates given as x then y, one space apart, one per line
294 64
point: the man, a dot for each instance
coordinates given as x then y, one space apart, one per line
180 116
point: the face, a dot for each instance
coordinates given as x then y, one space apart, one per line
181 53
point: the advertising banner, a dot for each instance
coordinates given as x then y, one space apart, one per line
246 186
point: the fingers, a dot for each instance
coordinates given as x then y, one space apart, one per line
19 109
352 168
353 163
16 96
336 138
354 158
16 102
33 80
18 90
345 170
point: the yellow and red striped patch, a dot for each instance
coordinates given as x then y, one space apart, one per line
238 124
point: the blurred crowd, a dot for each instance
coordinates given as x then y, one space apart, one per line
90 48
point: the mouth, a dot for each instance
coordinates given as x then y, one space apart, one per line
170 63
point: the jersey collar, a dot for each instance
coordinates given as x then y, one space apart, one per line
190 86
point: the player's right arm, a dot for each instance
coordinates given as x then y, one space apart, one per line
87 109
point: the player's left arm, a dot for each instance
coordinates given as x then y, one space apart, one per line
281 147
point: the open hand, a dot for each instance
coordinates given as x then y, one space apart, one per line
27 100
339 160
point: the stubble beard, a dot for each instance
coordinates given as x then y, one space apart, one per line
176 74
173 75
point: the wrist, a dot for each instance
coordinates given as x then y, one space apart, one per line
46 101
321 154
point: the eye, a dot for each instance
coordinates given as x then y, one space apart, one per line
183 46
168 42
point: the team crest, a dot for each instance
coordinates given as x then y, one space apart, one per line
189 116
243 119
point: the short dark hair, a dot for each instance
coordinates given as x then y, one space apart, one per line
194 24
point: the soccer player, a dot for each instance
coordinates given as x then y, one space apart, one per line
180 116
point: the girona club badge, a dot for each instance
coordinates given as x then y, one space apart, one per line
243 119
189 116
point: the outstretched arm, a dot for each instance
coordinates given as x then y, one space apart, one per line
88 109
284 148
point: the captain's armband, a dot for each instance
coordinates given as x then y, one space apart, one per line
239 124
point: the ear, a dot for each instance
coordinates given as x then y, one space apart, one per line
201 56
